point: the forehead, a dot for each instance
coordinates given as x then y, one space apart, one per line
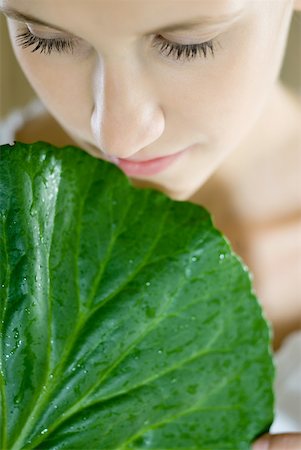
122 17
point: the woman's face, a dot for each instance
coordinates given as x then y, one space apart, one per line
111 78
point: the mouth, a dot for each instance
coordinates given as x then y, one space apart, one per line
149 167
144 168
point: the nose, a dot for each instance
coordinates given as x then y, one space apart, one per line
126 116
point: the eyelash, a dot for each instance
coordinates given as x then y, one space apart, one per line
187 51
27 39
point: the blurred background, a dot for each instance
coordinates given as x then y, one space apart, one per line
15 91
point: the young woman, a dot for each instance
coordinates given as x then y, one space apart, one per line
183 96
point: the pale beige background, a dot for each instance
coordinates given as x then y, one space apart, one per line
15 90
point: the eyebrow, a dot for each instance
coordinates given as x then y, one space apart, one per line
188 25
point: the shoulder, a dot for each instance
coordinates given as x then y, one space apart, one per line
255 199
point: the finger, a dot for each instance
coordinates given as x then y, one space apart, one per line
289 441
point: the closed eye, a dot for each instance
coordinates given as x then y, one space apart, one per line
47 46
167 48
184 51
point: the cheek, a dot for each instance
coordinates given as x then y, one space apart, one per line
249 73
223 99
62 84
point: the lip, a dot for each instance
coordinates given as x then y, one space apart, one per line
141 168
149 167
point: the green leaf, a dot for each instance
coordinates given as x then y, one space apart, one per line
127 322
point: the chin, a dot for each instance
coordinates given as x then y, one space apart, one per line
180 193
183 195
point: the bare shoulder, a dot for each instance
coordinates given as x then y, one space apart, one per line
255 199
44 128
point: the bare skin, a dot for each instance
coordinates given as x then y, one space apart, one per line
260 215
246 167
288 441
265 233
